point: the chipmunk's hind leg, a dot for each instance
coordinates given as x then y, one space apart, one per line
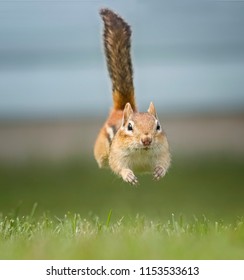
101 149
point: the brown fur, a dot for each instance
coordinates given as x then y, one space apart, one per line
117 45
103 142
145 147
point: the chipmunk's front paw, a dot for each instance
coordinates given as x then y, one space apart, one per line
159 172
129 177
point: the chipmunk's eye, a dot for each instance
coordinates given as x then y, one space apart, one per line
158 127
129 127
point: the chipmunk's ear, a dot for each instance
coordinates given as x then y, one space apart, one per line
151 110
126 114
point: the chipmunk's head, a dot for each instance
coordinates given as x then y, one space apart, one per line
141 130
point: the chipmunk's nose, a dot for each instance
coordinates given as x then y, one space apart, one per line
146 140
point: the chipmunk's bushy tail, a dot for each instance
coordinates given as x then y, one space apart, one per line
117 44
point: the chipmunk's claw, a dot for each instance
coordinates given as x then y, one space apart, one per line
159 172
129 177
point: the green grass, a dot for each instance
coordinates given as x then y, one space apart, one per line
210 186
73 237
114 220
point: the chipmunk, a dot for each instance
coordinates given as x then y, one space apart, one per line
128 141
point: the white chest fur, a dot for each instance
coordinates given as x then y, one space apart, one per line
141 160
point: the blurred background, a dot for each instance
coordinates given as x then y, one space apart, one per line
55 94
